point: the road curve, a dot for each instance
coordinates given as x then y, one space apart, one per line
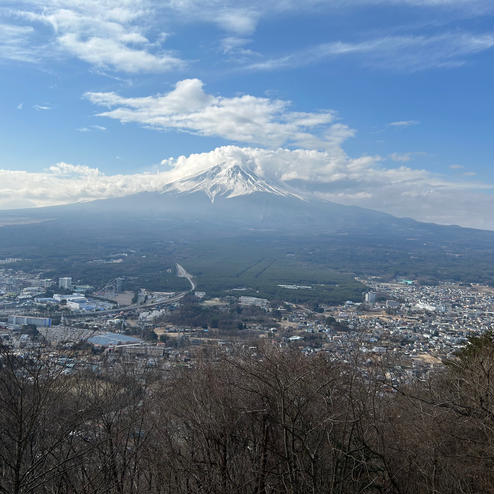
182 273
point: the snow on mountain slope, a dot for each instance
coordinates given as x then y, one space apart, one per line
226 181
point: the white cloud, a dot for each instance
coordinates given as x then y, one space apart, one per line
235 48
110 34
246 118
66 169
113 54
90 128
363 182
456 167
235 17
128 35
238 21
232 44
242 16
42 107
15 43
400 191
64 183
401 53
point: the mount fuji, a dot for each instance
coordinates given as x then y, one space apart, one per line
226 181
229 212
231 197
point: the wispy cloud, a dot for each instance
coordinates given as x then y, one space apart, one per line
91 128
237 47
42 107
401 53
406 157
403 123
241 21
110 35
247 118
117 55
241 17
130 37
16 43
401 157
456 167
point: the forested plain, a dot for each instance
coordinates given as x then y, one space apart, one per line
259 261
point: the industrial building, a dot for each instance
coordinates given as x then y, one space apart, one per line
18 321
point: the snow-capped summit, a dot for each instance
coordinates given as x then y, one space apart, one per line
228 180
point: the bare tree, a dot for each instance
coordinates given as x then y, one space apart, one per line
37 424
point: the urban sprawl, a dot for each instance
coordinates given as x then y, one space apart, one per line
413 327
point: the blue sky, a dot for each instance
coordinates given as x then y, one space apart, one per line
385 104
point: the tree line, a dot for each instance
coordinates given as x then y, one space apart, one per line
260 421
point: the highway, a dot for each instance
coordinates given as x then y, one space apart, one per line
129 308
182 273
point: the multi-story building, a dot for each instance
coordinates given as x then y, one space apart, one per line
370 298
65 283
